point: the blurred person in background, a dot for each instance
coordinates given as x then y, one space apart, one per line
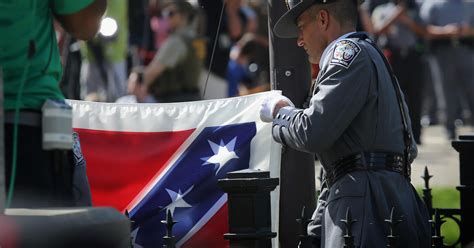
159 26
400 33
246 72
31 73
237 19
140 34
105 57
173 74
450 24
136 89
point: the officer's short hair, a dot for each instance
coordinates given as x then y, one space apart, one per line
344 11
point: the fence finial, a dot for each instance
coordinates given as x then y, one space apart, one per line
305 241
437 239
392 238
169 238
348 222
427 197
426 177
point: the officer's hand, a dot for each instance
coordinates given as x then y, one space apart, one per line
267 108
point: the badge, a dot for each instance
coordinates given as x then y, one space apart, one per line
345 52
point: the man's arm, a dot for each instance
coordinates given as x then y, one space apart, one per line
169 55
342 94
414 26
382 27
85 23
233 21
153 71
467 31
444 32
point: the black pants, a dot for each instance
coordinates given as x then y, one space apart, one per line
43 178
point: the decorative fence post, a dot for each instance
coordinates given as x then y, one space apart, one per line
348 238
303 221
169 238
127 214
249 207
465 147
427 197
437 239
392 238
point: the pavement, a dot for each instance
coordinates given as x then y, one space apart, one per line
437 153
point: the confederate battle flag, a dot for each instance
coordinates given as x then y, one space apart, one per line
149 159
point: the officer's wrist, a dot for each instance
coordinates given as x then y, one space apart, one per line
280 104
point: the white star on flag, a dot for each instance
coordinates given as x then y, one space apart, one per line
177 200
222 153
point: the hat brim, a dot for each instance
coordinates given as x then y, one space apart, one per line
286 26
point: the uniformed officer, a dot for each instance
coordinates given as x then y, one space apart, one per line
357 124
451 23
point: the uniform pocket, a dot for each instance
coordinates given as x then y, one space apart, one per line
352 184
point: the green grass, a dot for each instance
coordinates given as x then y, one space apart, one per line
446 197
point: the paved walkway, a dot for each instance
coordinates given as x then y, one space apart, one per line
437 153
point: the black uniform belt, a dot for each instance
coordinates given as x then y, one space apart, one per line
367 161
27 118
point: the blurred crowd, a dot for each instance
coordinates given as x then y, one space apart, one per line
430 45
162 50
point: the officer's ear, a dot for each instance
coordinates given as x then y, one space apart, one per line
323 19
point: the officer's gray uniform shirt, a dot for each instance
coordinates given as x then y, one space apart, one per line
354 108
351 111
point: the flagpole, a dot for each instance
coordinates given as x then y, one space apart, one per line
290 72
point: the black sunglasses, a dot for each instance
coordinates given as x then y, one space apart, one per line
168 13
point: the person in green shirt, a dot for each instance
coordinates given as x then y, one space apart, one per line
31 66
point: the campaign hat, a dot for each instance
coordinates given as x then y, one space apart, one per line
286 26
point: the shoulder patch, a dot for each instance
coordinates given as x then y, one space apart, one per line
345 51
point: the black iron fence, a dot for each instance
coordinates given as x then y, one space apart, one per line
440 215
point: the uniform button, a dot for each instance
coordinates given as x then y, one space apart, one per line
336 192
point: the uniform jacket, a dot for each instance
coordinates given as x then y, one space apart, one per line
354 109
